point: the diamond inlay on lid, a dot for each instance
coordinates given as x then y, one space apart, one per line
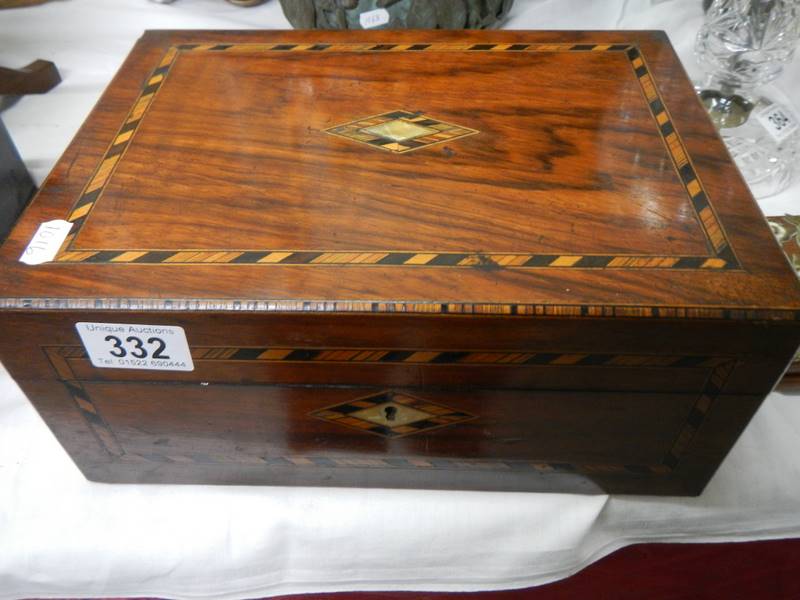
400 131
392 414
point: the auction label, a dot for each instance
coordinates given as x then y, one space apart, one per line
374 18
128 346
45 243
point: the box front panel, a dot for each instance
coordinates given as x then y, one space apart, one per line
517 404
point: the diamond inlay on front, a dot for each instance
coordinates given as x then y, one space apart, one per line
392 414
400 131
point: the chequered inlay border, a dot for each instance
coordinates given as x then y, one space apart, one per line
721 255
719 369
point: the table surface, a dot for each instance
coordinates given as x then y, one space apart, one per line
61 536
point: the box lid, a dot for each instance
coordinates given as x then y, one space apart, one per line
420 171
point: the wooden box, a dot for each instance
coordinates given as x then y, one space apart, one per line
470 260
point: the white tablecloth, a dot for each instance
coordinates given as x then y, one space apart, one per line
61 535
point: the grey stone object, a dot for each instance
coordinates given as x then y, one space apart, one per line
403 14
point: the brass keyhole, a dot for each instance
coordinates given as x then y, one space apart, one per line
390 412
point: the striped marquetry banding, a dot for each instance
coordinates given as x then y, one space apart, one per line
720 368
721 257
426 308
714 386
432 47
391 258
440 357
59 358
451 357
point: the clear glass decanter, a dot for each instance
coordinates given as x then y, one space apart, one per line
743 45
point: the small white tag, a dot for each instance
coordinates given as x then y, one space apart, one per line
374 18
128 346
779 121
45 243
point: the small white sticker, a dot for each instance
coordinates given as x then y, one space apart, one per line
779 121
129 346
45 243
374 18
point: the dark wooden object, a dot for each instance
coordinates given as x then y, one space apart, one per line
16 185
19 3
37 78
534 240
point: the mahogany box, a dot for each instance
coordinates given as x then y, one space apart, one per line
460 260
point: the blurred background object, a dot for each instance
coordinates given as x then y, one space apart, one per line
743 46
745 43
20 3
236 2
395 14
